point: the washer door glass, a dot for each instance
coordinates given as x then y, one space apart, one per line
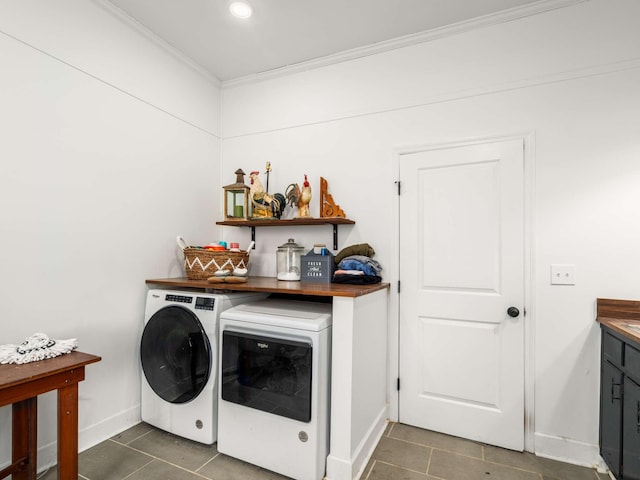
175 354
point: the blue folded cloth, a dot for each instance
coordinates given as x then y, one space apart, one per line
348 264
368 260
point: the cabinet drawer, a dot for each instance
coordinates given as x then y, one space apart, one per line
632 362
612 349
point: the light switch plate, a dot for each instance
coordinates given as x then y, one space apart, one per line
563 274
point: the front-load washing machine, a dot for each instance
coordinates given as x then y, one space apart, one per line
178 353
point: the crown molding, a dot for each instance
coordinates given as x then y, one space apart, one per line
141 29
407 40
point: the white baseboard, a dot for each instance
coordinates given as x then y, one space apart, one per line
340 469
368 445
569 451
91 436
337 468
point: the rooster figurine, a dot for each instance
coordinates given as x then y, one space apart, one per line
300 198
264 205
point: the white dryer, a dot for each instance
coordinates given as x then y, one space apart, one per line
178 354
275 358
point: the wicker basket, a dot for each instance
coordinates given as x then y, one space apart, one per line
200 264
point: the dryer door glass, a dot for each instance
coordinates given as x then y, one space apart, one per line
175 354
268 374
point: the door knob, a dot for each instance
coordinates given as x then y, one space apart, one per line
513 312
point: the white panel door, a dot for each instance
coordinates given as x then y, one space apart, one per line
461 269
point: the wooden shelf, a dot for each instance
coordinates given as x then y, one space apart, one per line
287 223
290 223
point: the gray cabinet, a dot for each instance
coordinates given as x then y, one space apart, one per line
620 405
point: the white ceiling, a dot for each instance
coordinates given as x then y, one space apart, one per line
282 33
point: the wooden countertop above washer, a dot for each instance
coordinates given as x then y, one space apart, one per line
273 285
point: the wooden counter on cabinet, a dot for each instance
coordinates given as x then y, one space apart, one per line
620 386
359 376
623 316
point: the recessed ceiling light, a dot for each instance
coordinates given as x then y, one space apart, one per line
240 9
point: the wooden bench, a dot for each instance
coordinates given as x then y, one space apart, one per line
20 386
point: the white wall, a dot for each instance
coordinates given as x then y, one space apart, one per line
568 78
110 148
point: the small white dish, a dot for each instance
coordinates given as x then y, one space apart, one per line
222 273
240 272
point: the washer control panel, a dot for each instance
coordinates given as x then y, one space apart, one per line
202 303
178 298
205 303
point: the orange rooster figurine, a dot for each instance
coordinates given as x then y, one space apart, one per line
300 198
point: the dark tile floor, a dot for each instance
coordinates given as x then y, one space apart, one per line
403 453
